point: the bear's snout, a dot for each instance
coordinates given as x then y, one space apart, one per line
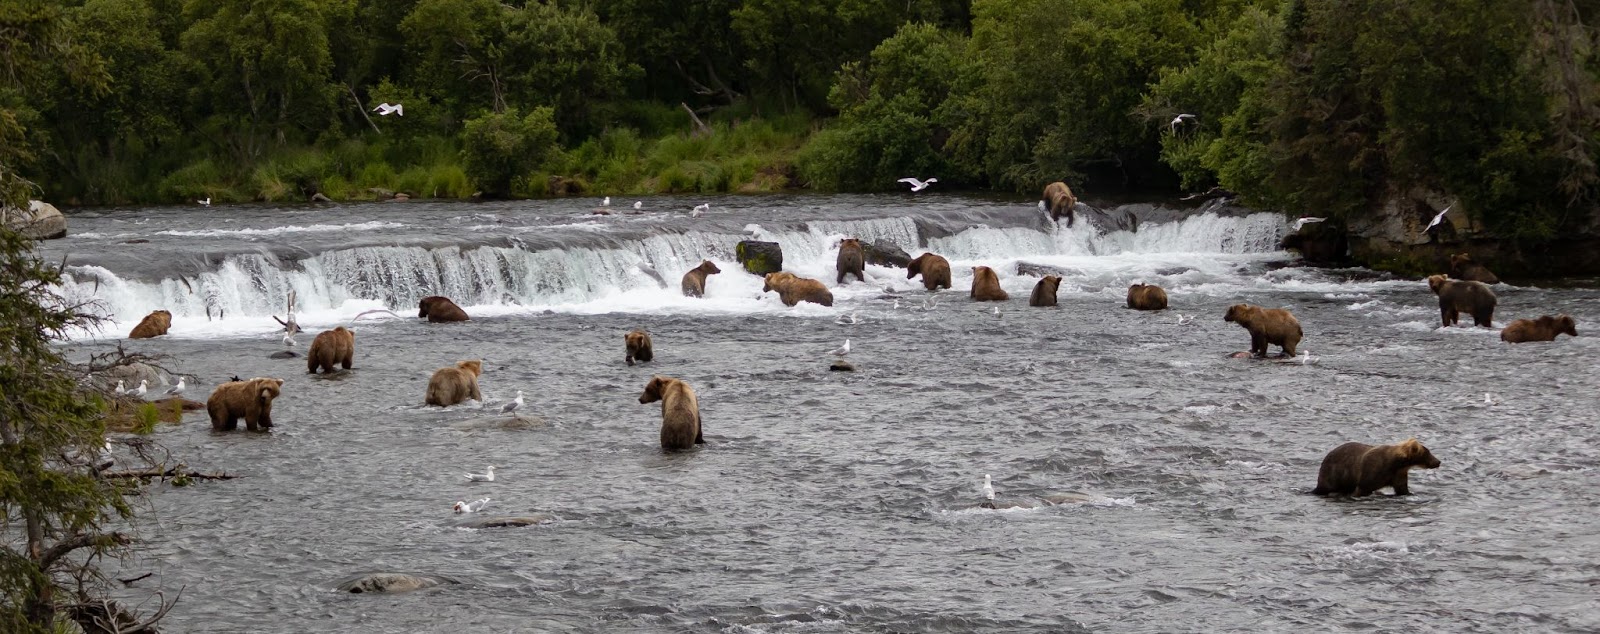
1433 463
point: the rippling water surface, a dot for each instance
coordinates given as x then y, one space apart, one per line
840 502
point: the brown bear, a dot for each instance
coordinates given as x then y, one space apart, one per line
440 309
1457 296
986 285
1463 268
694 282
638 343
1542 329
793 289
935 270
1359 469
331 347
153 325
680 412
852 260
1274 326
1044 293
1061 201
454 384
1147 297
250 399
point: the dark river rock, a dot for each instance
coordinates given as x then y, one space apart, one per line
844 501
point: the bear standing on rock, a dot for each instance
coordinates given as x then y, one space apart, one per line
438 309
680 412
1463 268
1358 469
154 324
1457 296
1147 297
1044 293
852 260
638 344
452 385
986 285
934 269
694 282
337 346
1267 326
250 400
1542 329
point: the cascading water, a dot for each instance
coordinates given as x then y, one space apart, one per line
641 272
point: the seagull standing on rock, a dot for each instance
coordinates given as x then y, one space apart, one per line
144 386
918 185
988 492
176 389
482 477
513 405
121 389
842 350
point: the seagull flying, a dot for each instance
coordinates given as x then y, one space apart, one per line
638 204
1172 126
988 488
1437 219
385 109
144 386
482 477
471 507
1306 220
176 389
513 405
848 320
205 202
606 202
700 209
842 350
917 185
1184 320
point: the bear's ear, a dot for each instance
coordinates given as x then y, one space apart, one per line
1411 447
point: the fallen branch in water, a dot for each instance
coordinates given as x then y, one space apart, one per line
168 473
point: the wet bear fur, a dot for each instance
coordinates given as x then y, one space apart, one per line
154 324
454 384
638 343
337 346
1147 297
1044 293
793 289
1542 329
1458 296
1061 201
1359 469
694 282
1267 326
852 260
440 309
1463 268
934 269
986 285
249 399
680 412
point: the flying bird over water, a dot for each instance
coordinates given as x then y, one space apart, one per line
482 477
176 389
1437 219
917 185
841 350
386 109
1306 220
1172 126
471 507
513 405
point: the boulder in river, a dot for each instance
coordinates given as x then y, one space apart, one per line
841 365
885 253
760 258
1041 270
504 521
391 582
41 221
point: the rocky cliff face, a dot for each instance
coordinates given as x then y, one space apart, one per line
1395 238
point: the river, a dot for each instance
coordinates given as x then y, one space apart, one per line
843 501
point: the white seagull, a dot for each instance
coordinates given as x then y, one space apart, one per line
1437 219
929 303
606 202
482 477
638 204
1043 207
896 307
847 320
144 386
385 109
988 488
842 350
176 389
513 405
917 185
121 389
700 209
1305 358
997 312
1172 126
471 507
1184 320
288 339
205 202
1489 399
1306 220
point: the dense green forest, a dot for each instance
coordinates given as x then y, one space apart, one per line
1320 106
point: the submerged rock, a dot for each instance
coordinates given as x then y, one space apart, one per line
506 521
841 366
885 253
391 582
284 354
501 423
760 258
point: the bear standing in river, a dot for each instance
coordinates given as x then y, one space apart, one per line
1061 201
638 343
337 346
1542 329
454 384
250 400
694 282
154 324
935 270
986 285
1457 296
1358 469
680 412
1044 293
1274 326
1147 297
852 260
440 309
